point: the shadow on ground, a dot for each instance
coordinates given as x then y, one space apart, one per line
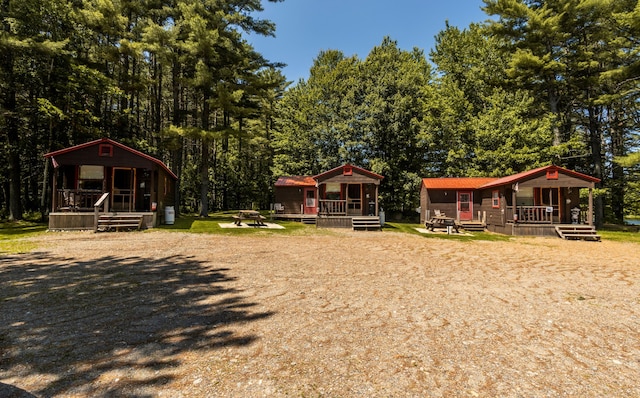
74 322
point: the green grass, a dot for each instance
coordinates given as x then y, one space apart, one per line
13 236
210 225
473 236
620 236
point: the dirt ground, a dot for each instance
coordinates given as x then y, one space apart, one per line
343 314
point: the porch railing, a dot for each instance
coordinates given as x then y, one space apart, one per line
333 207
76 199
535 214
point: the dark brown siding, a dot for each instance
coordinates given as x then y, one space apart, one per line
290 197
443 200
90 156
562 181
424 204
494 216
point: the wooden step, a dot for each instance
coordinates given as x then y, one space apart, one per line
308 220
118 222
584 232
476 226
366 223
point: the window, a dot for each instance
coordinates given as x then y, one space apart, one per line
90 177
333 191
105 150
495 199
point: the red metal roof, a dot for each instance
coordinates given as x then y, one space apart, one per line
360 170
296 181
456 182
540 170
112 142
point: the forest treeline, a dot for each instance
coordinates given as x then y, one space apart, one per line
540 82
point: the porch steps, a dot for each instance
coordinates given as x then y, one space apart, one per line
365 223
308 220
477 226
577 232
117 222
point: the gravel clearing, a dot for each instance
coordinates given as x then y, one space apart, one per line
340 314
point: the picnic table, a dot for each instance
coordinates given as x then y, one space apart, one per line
441 222
249 215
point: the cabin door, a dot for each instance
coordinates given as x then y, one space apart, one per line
310 203
123 184
354 200
465 206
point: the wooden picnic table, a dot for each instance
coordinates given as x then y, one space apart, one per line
249 215
441 222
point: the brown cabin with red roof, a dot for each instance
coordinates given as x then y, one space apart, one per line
528 203
296 195
335 198
135 183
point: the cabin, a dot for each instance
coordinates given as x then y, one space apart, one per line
343 197
539 202
106 180
296 196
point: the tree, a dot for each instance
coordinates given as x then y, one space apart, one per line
568 50
29 43
390 115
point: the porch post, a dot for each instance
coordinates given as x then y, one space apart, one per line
514 195
377 212
54 193
590 213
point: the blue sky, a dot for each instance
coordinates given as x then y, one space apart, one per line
306 27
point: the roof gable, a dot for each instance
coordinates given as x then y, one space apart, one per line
341 170
526 175
108 141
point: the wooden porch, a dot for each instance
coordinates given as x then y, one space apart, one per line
548 230
84 220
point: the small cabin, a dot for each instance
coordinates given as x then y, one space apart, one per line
529 203
333 198
133 182
296 195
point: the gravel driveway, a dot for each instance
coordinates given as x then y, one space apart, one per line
343 314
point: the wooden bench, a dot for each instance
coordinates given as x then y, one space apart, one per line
366 223
249 215
441 222
118 222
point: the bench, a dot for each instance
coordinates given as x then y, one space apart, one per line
249 215
441 222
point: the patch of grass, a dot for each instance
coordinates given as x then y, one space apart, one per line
13 236
411 229
211 225
620 236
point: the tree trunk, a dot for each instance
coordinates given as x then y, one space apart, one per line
204 162
598 168
617 182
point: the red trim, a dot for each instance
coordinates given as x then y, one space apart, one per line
360 170
532 173
552 174
105 150
114 143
